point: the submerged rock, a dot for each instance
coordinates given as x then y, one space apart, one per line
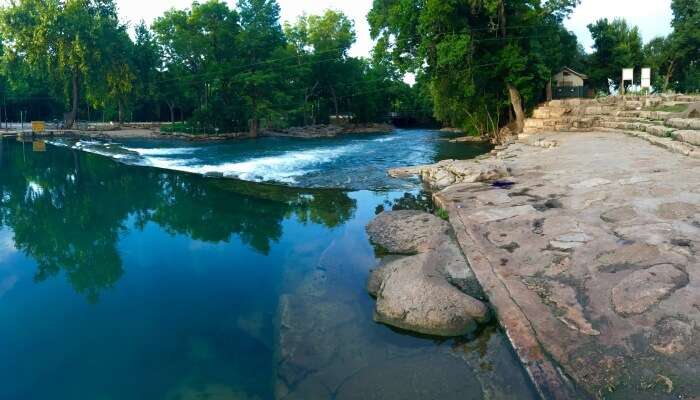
405 231
416 296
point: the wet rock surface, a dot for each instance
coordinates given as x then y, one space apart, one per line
406 231
449 172
431 292
604 287
330 348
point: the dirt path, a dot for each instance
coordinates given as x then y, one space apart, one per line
589 259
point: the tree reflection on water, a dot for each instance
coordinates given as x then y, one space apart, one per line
67 210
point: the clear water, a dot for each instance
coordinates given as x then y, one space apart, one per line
356 162
121 281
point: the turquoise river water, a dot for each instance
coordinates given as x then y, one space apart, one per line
172 270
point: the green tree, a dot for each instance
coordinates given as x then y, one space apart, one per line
324 41
485 61
617 45
147 63
262 45
659 56
684 64
63 39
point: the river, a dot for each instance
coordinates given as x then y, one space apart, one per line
171 270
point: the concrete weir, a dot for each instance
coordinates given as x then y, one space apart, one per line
589 260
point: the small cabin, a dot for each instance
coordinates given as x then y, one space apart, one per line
569 83
567 77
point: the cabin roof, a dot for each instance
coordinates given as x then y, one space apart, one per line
580 75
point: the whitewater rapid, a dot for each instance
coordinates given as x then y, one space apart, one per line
352 162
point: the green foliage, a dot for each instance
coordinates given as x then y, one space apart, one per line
211 65
617 46
443 214
78 44
471 51
675 59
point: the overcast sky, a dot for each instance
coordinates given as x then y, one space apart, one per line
652 16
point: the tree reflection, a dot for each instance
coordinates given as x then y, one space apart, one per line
67 210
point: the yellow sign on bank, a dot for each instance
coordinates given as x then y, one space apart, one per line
38 126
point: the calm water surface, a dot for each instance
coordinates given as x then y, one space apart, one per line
123 281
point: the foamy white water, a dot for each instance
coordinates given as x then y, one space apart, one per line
163 152
284 167
352 162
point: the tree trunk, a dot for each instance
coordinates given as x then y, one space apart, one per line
335 103
73 114
254 127
121 113
517 103
502 17
549 90
254 121
669 74
171 107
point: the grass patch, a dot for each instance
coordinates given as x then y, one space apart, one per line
677 108
442 213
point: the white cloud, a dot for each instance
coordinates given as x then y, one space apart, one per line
653 17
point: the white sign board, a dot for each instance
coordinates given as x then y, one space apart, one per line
628 74
646 78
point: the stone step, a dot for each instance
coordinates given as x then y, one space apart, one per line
654 129
634 119
547 112
687 136
684 123
665 142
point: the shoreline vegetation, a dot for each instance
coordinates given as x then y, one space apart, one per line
140 131
211 68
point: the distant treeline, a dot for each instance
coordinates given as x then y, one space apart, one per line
486 62
215 66
479 64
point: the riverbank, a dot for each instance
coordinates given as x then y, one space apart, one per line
586 246
138 131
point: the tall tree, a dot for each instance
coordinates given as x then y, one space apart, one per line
62 39
484 59
261 42
200 55
685 44
325 41
617 45
147 66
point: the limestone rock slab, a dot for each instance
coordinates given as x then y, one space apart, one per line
641 290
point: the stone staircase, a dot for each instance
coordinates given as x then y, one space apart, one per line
672 121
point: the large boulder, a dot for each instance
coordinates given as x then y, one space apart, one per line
432 292
415 296
406 231
449 263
